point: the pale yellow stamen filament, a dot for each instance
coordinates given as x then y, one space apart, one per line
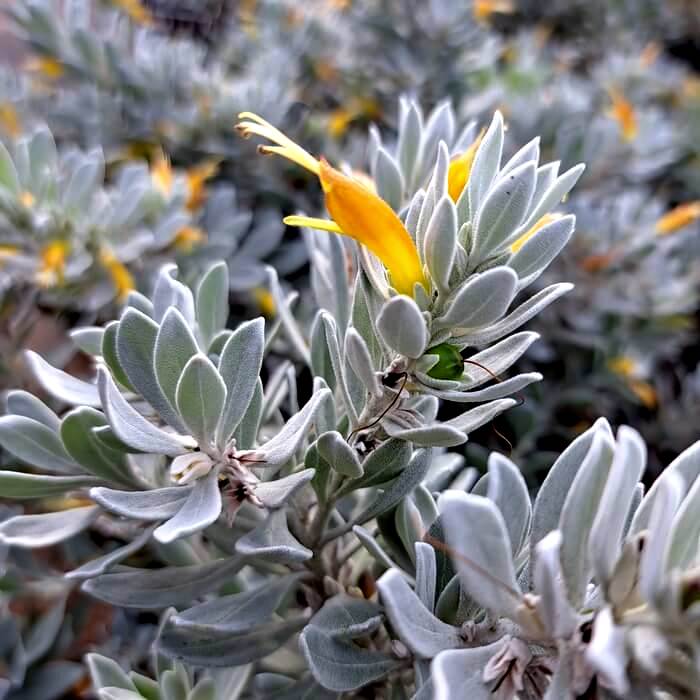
253 124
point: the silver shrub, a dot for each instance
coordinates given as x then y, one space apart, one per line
379 340
592 586
269 531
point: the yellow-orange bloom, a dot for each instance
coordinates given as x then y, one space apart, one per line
623 365
623 113
461 168
356 210
27 199
162 174
196 180
483 9
367 218
600 261
678 218
644 391
8 251
339 121
135 10
265 301
540 223
53 263
121 277
49 67
649 54
187 238
628 369
9 119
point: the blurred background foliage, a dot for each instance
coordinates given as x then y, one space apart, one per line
119 155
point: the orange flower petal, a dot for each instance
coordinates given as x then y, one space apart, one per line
367 218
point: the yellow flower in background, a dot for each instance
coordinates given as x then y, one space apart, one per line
136 11
644 391
9 119
460 169
8 251
48 67
628 369
339 121
341 118
196 181
483 9
187 238
622 111
649 54
247 11
325 69
121 277
690 88
162 174
265 301
623 365
52 265
597 262
540 223
356 211
27 199
678 218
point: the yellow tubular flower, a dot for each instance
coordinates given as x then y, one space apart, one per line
649 54
644 391
460 169
540 223
196 179
187 238
49 67
356 210
265 301
27 199
121 277
623 365
162 174
9 119
8 251
339 121
483 9
368 219
678 218
135 10
623 113
53 263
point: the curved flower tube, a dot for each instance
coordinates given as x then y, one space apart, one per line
357 212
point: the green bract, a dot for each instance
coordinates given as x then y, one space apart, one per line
450 364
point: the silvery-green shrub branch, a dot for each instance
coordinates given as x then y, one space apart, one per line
465 236
592 589
180 436
85 243
120 79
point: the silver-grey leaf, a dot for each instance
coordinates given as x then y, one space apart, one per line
478 537
239 367
131 427
416 626
402 327
201 509
45 529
